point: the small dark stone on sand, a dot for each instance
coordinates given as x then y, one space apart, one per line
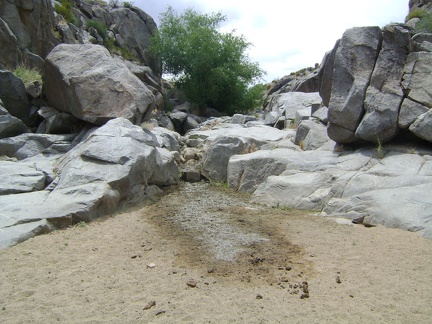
192 283
150 305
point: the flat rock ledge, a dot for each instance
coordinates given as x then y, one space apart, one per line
47 189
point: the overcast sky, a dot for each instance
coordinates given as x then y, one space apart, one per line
289 35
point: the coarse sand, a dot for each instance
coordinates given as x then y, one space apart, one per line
204 254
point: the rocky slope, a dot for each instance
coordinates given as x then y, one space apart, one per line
31 29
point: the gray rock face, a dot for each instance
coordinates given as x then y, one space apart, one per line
311 135
409 112
422 126
121 155
327 67
288 103
114 163
27 145
219 152
56 122
416 80
353 65
246 172
133 30
423 4
10 126
10 54
18 178
384 94
31 24
391 191
86 82
14 96
22 232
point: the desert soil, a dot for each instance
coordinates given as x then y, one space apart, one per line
204 254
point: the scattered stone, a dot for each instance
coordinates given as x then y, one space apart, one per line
338 280
150 305
151 265
192 283
305 293
358 220
191 176
259 296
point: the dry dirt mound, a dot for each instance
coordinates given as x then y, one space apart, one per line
203 254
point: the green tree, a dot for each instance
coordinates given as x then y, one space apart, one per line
211 67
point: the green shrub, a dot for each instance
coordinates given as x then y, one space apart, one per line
127 4
212 68
115 3
416 13
114 49
65 9
100 28
28 75
425 24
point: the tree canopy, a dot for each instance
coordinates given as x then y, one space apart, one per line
211 67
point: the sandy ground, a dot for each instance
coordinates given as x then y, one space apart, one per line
203 254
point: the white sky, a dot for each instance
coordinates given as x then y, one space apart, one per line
289 35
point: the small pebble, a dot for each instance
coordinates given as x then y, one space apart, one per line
338 280
150 305
259 296
192 283
304 295
151 265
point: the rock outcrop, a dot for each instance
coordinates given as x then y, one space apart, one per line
26 32
379 85
384 94
85 81
29 30
115 163
14 96
56 167
353 66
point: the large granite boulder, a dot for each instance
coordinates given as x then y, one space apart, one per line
354 62
247 172
85 81
120 154
311 135
384 94
220 150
